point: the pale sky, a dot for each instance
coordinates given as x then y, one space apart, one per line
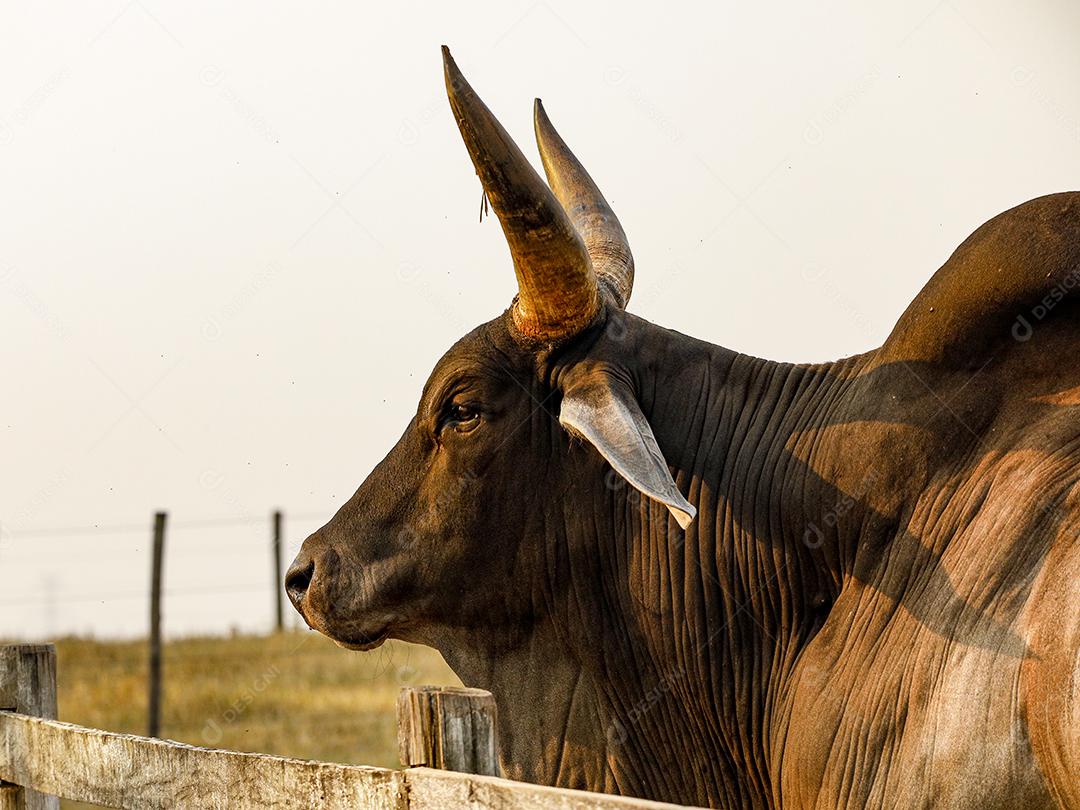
235 238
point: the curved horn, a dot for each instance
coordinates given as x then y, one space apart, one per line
557 290
592 216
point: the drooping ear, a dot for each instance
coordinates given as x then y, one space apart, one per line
604 412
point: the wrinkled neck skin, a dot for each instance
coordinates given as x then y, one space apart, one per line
673 648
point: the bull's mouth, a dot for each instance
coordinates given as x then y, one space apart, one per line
362 642
359 641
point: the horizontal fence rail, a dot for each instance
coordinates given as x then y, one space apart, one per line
42 758
124 770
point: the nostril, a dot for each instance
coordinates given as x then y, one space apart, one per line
298 579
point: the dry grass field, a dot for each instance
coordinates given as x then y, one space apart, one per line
294 694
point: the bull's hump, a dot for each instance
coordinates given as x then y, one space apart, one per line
1020 265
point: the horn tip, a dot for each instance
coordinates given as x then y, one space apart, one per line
455 82
541 122
449 65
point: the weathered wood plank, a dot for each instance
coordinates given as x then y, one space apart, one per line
123 770
448 727
431 789
28 686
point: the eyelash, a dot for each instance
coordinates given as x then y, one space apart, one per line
458 414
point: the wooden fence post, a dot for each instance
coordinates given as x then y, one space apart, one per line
279 585
448 727
153 665
11 797
28 686
153 721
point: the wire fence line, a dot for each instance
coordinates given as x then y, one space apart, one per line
125 528
57 562
94 597
91 555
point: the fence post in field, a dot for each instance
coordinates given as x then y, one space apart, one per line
279 585
448 727
153 722
28 686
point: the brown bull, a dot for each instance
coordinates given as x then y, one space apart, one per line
693 575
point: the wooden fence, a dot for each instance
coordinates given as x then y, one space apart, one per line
41 759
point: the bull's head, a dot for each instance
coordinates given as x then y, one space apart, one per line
529 427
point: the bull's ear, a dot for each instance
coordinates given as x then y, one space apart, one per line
605 413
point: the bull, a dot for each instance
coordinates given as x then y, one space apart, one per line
693 575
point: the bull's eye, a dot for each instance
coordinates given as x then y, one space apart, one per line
462 417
